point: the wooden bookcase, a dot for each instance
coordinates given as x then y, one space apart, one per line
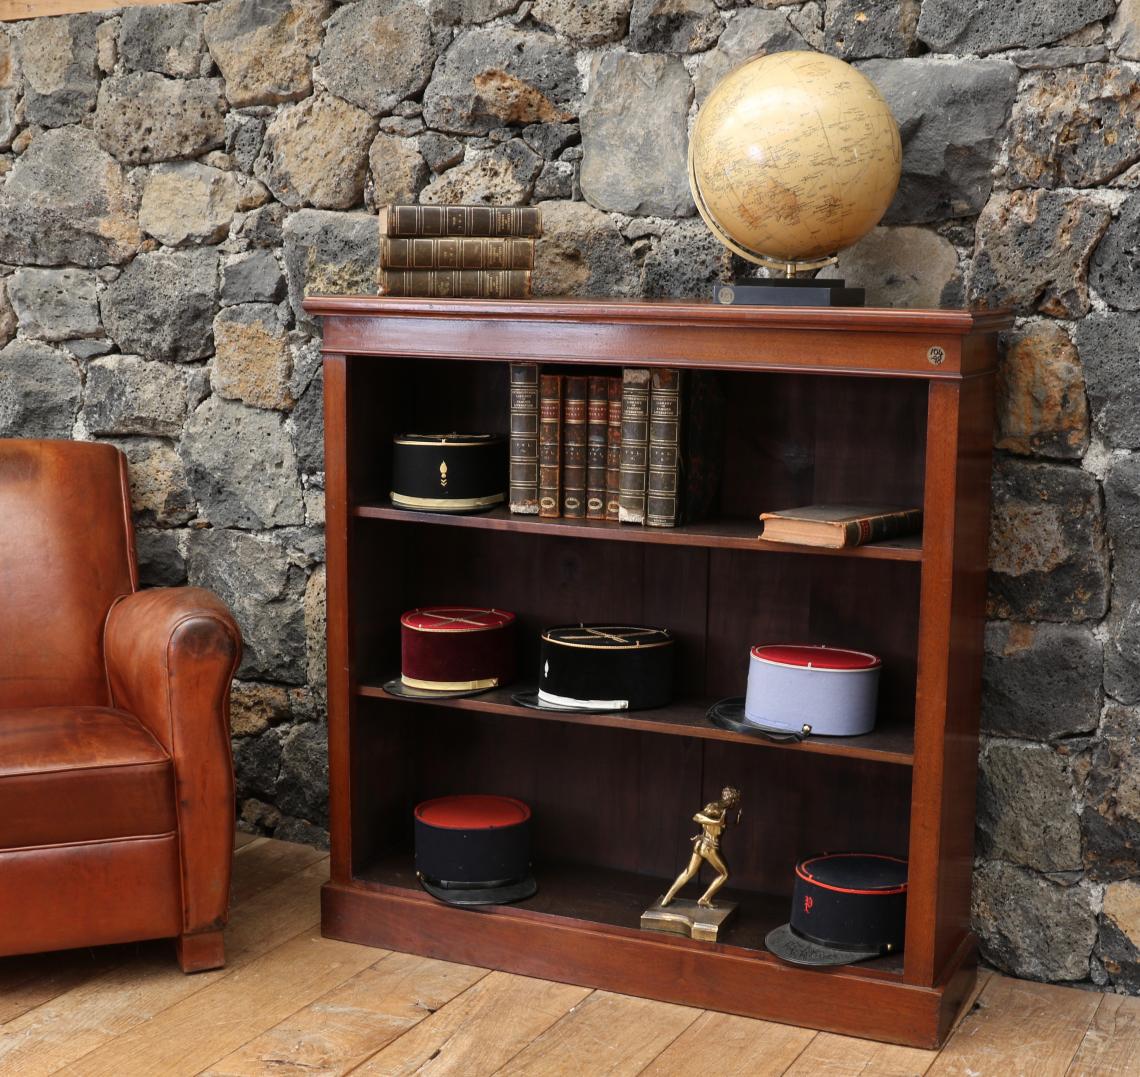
835 405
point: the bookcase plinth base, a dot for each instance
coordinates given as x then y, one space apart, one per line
650 965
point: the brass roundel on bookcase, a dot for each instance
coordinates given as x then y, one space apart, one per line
936 355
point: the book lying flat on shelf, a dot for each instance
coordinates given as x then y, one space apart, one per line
839 526
398 220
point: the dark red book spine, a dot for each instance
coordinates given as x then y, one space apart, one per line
597 420
574 395
613 447
549 444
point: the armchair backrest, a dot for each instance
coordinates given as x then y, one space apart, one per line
66 553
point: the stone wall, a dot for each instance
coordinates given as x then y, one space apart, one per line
175 178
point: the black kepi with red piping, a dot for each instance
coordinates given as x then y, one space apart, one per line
474 849
846 907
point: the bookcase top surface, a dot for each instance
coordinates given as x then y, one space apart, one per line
952 322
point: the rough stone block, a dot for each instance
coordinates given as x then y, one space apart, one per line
265 48
9 118
146 117
262 228
243 139
128 395
161 563
316 627
257 761
377 52
558 179
252 361
1041 406
583 253
1026 814
162 305
658 91
1041 681
67 202
1048 556
398 169
951 119
501 176
1074 127
596 22
160 495
241 466
252 575
440 151
1124 31
330 254
1109 345
316 153
676 26
55 304
255 707
750 33
167 39
856 30
990 25
308 428
1122 507
488 78
58 59
252 278
685 262
1110 794
1122 652
1115 267
1033 927
903 267
8 320
302 785
1032 252
189 203
1119 944
39 391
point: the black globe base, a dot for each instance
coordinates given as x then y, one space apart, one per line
788 292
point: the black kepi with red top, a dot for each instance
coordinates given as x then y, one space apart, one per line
474 849
846 907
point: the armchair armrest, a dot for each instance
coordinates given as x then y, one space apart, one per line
171 654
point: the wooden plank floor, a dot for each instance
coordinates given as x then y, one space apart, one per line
290 1003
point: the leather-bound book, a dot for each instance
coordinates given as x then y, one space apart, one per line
456 252
634 445
456 283
460 221
524 439
549 444
837 526
574 397
597 420
613 447
663 473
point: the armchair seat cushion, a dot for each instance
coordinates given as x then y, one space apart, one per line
76 774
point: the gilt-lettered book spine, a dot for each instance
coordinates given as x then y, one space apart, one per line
613 447
525 221
574 398
597 420
634 445
523 496
549 444
456 283
456 252
664 448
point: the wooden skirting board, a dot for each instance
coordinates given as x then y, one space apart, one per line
11 10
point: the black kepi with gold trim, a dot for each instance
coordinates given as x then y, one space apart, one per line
449 472
606 667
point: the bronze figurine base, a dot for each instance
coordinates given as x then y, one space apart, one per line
684 917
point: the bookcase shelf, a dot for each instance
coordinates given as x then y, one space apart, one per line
710 534
891 743
822 406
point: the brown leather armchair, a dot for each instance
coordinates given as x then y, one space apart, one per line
116 781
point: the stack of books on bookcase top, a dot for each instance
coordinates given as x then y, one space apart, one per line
474 252
639 448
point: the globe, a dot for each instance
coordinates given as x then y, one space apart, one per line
793 157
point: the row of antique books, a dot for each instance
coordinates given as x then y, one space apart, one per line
623 449
474 252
